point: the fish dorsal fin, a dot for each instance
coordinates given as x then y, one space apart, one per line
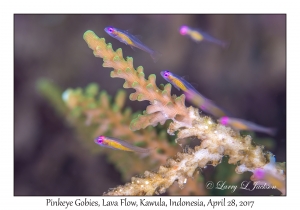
191 85
136 36
139 37
194 84
185 77
130 31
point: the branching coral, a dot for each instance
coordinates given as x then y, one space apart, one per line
110 120
93 113
163 105
216 140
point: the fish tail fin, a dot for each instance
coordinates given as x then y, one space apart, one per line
155 56
147 152
221 43
225 44
271 131
144 155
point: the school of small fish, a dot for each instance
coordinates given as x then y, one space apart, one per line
192 95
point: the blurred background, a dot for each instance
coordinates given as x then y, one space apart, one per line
248 79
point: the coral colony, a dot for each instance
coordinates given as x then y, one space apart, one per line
218 139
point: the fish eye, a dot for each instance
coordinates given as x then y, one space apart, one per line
259 173
100 139
183 30
166 73
110 29
224 120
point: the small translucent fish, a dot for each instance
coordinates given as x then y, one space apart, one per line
131 40
198 35
192 94
118 144
240 124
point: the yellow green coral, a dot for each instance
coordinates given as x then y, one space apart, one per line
92 113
